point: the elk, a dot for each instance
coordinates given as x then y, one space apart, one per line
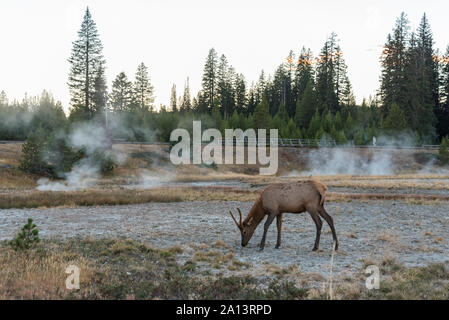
277 199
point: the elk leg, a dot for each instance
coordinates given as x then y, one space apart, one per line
318 224
265 229
330 222
279 225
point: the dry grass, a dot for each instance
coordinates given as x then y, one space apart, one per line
388 236
126 269
40 274
121 269
94 197
15 180
37 199
10 153
121 196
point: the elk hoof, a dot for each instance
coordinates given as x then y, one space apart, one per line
261 248
277 246
315 249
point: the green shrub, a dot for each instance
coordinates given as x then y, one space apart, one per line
32 159
27 237
103 160
444 150
47 155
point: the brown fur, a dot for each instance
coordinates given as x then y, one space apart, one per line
276 199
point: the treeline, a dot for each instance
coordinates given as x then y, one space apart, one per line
308 96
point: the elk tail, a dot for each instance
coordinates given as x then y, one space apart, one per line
321 188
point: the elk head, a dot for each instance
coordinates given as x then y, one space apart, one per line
245 228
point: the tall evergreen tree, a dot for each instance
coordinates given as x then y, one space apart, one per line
394 62
240 93
173 99
306 107
304 74
443 112
143 90
122 93
3 99
279 89
262 115
252 100
326 75
260 89
101 92
225 87
186 104
86 61
209 81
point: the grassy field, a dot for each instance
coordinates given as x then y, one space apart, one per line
125 269
119 268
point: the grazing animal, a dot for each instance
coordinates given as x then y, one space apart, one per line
277 199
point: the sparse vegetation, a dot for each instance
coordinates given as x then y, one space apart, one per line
121 269
444 150
27 237
126 269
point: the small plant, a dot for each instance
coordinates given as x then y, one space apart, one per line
27 237
444 150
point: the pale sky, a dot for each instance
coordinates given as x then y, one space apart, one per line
172 37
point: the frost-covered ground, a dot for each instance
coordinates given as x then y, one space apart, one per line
414 234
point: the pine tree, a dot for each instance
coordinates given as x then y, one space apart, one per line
173 99
347 97
282 113
428 66
315 125
288 91
327 75
306 107
338 122
226 79
100 93
303 75
261 88
252 100
395 120
86 61
122 93
210 79
262 115
443 110
293 131
279 90
142 89
3 99
186 104
394 61
240 93
419 110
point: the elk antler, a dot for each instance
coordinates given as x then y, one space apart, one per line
240 213
239 225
